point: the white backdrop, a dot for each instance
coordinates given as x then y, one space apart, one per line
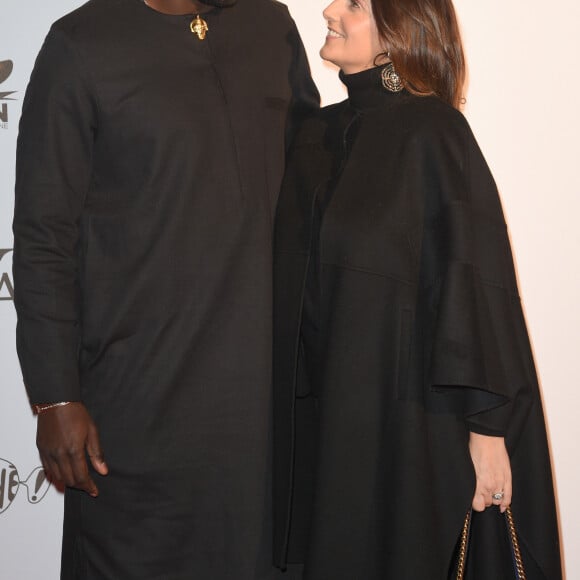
522 105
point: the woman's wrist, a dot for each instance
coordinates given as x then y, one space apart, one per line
484 439
474 427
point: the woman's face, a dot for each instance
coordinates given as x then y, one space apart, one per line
353 39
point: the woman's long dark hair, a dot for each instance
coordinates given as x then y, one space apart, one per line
424 44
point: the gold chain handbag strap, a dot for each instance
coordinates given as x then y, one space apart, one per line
515 545
517 554
464 540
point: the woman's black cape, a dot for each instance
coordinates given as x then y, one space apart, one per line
424 340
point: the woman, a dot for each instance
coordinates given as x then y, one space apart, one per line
405 387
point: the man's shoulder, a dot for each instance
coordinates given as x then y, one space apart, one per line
272 8
274 5
90 15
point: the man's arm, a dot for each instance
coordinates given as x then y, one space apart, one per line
305 96
53 172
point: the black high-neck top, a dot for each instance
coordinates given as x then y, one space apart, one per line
366 90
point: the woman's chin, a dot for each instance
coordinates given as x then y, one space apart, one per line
325 54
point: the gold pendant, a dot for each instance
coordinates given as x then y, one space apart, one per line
199 26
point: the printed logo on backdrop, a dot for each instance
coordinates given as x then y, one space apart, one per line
36 485
6 67
6 285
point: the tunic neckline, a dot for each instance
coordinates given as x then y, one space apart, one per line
366 90
187 15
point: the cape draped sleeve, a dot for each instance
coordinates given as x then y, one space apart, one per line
53 171
477 344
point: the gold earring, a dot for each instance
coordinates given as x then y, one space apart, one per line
391 80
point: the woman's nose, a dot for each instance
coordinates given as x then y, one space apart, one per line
329 13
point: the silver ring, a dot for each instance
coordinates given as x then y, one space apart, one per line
498 496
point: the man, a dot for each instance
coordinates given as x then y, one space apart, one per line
150 154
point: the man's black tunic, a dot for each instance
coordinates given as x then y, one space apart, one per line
148 169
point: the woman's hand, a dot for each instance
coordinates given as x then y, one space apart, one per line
492 471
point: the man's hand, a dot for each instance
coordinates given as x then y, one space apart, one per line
492 470
64 435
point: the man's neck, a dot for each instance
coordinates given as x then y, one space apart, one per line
178 6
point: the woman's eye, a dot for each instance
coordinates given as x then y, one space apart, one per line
355 4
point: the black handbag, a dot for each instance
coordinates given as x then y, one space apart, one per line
466 539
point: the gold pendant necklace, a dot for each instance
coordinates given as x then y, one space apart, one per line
199 26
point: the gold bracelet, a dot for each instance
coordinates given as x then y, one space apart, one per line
38 409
